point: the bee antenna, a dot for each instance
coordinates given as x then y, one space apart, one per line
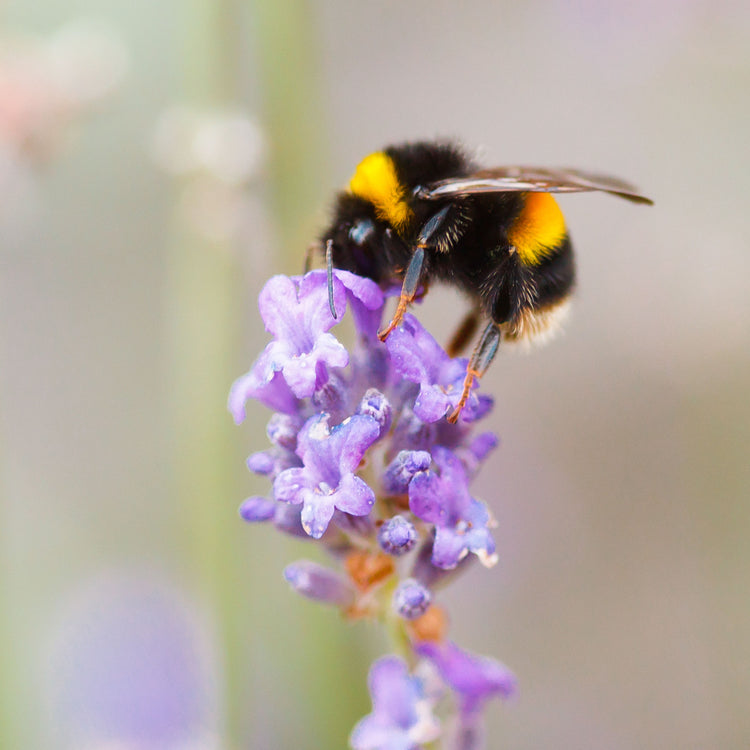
329 271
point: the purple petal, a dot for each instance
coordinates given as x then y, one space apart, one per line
313 447
290 486
365 300
271 462
478 405
401 717
468 534
261 463
448 549
432 403
317 512
425 499
425 570
483 444
475 679
372 733
394 692
277 303
406 357
300 372
352 438
330 350
263 384
313 295
238 396
353 496
319 583
362 289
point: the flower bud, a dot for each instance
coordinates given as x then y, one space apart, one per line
319 583
411 599
397 536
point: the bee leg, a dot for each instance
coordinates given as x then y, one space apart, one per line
329 272
428 234
425 240
463 333
481 358
408 291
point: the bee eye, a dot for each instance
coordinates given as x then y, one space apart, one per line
361 231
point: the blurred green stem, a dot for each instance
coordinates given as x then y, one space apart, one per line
203 315
284 36
205 310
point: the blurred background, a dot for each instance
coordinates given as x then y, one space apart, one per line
159 161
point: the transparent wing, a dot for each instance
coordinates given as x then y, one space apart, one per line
532 180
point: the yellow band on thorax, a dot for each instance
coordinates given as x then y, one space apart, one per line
538 230
376 181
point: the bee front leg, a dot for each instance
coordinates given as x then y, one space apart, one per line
329 276
481 358
427 238
408 291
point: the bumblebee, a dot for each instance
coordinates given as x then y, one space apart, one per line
423 211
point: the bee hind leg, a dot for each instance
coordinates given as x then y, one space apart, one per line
463 334
481 358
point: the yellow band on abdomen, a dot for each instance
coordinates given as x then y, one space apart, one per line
538 230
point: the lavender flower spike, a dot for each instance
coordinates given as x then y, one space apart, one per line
353 422
401 717
326 480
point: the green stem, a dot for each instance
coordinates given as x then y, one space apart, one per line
203 311
395 628
293 117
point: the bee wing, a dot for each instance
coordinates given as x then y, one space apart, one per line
531 180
